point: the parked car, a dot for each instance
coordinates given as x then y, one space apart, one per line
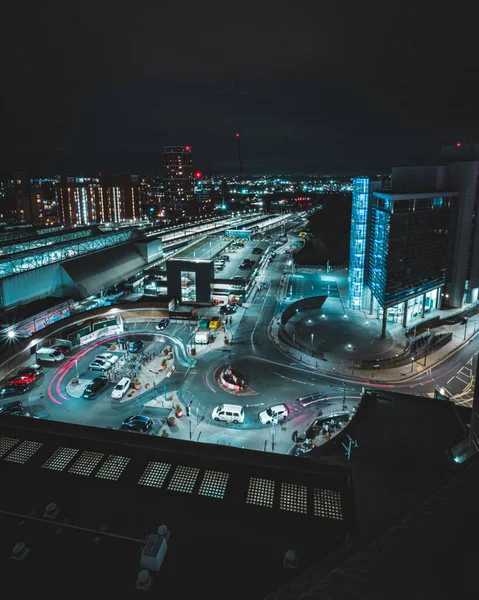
108 356
136 345
238 278
257 251
21 380
228 309
96 386
63 349
121 388
99 364
49 355
14 407
36 370
137 423
277 413
163 324
12 390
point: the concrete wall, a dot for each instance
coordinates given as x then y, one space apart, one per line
462 177
419 179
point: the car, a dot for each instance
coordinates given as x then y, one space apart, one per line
229 413
21 380
121 388
12 390
274 414
108 356
99 365
136 345
96 386
63 349
12 408
257 251
163 324
225 257
137 423
36 370
228 309
238 278
273 255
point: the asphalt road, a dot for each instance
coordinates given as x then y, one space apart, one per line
271 377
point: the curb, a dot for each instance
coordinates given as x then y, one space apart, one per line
337 375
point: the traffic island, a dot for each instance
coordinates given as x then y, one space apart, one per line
77 386
233 383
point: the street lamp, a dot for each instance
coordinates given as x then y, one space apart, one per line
312 342
412 363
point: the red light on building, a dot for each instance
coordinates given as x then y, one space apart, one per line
187 148
198 174
458 144
237 134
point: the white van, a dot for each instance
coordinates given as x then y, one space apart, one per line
229 412
121 388
203 337
49 355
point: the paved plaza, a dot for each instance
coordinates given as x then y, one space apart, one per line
335 338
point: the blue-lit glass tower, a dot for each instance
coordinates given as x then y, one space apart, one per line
358 239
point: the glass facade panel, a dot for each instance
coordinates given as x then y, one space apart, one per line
357 253
188 286
378 251
417 255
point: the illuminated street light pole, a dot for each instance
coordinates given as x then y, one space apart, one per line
412 363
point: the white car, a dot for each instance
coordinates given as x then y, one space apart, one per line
276 413
121 388
111 358
99 364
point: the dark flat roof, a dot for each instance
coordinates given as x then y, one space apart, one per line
232 513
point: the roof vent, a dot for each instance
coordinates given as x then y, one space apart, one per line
19 551
144 580
51 511
154 551
290 559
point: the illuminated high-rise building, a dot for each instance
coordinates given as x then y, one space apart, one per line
177 170
102 199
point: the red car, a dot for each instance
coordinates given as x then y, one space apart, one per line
21 380
63 349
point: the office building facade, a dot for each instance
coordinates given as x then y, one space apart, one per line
401 247
102 199
177 170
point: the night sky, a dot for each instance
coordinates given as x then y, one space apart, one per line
313 86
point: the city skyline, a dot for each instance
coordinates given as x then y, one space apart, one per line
310 89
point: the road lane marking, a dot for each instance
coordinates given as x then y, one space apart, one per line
448 382
463 380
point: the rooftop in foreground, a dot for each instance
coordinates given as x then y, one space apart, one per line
232 513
